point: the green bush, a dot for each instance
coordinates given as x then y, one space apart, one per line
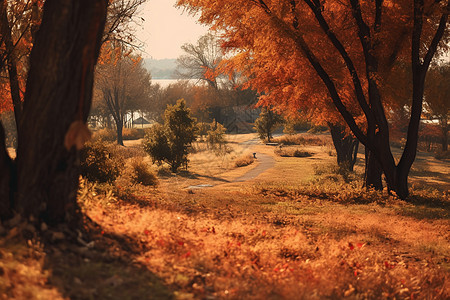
96 163
266 123
170 142
216 136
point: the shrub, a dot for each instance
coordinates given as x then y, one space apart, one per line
96 163
170 142
106 135
156 144
244 161
203 129
124 153
142 174
216 136
133 133
300 140
290 152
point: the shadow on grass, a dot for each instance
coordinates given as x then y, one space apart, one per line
191 175
106 271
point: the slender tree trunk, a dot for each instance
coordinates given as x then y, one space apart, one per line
58 95
444 127
12 63
119 130
346 146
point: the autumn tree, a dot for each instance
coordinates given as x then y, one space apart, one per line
437 99
43 179
124 85
347 46
18 24
201 61
160 97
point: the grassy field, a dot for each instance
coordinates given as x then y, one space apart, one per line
301 230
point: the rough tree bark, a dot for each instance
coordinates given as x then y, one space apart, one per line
58 95
346 146
372 171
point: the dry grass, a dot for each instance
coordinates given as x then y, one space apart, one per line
304 139
300 232
291 152
285 245
244 160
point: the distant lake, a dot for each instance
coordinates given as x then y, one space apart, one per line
165 82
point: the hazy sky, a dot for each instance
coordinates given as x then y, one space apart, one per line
166 28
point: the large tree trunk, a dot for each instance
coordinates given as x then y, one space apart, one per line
372 172
59 91
346 146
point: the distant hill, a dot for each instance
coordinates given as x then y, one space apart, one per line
161 68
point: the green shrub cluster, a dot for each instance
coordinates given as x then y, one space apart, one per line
170 142
96 163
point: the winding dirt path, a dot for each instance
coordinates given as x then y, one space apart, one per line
265 162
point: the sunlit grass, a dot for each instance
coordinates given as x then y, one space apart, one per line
302 230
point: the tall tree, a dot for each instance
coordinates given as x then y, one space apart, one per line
349 46
43 180
118 29
124 84
201 61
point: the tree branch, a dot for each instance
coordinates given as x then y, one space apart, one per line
348 62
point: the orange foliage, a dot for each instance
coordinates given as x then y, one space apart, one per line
268 56
24 18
